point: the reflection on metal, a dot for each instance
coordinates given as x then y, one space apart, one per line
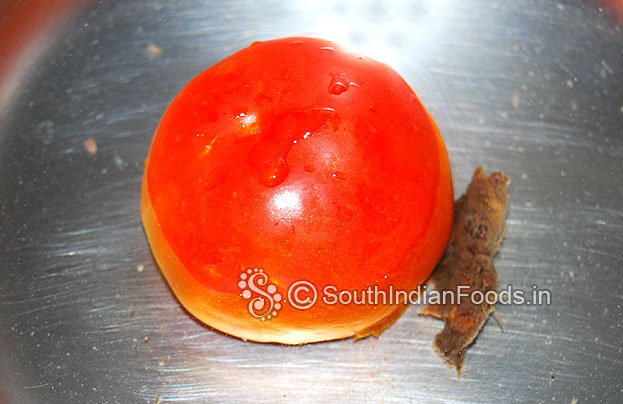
86 317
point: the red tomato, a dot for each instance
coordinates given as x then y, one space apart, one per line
617 8
309 162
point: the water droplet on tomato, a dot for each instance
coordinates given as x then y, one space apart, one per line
338 88
273 172
287 129
339 175
328 49
338 84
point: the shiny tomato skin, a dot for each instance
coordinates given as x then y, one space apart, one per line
308 161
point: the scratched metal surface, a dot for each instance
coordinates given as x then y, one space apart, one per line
532 87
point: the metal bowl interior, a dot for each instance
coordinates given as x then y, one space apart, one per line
531 88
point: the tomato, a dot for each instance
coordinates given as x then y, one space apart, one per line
295 160
617 8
